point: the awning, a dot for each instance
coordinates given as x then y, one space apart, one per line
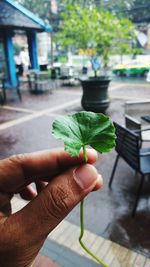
14 15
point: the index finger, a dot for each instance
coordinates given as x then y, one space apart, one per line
23 169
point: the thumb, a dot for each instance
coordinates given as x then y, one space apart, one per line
56 200
27 229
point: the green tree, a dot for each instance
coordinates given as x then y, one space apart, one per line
139 11
136 10
41 8
101 30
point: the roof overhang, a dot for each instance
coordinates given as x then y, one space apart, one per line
29 20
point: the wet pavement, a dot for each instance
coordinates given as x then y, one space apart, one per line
26 126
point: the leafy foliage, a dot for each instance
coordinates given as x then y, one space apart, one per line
136 10
139 11
43 9
77 131
101 30
85 128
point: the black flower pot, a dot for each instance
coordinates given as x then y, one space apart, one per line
95 94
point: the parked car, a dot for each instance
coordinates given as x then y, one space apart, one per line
148 77
135 68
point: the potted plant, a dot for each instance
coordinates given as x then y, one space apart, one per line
95 89
103 34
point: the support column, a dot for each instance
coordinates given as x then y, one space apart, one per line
32 46
9 52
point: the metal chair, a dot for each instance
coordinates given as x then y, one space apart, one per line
134 111
128 147
134 125
39 81
13 88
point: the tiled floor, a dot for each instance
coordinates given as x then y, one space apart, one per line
63 249
25 127
42 261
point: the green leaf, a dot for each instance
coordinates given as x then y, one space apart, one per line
85 128
95 28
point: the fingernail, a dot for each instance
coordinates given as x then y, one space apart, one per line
85 176
100 180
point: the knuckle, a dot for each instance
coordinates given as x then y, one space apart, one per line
17 159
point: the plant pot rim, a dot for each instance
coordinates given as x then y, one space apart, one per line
95 79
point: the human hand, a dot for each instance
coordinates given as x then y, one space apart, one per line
61 182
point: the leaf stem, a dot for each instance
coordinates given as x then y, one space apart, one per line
84 154
82 223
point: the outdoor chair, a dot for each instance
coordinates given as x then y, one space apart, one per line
65 75
135 125
39 82
137 109
128 147
135 112
1 94
69 75
8 87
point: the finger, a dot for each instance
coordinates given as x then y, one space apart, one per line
40 185
21 170
28 193
55 202
4 199
5 204
99 183
5 211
